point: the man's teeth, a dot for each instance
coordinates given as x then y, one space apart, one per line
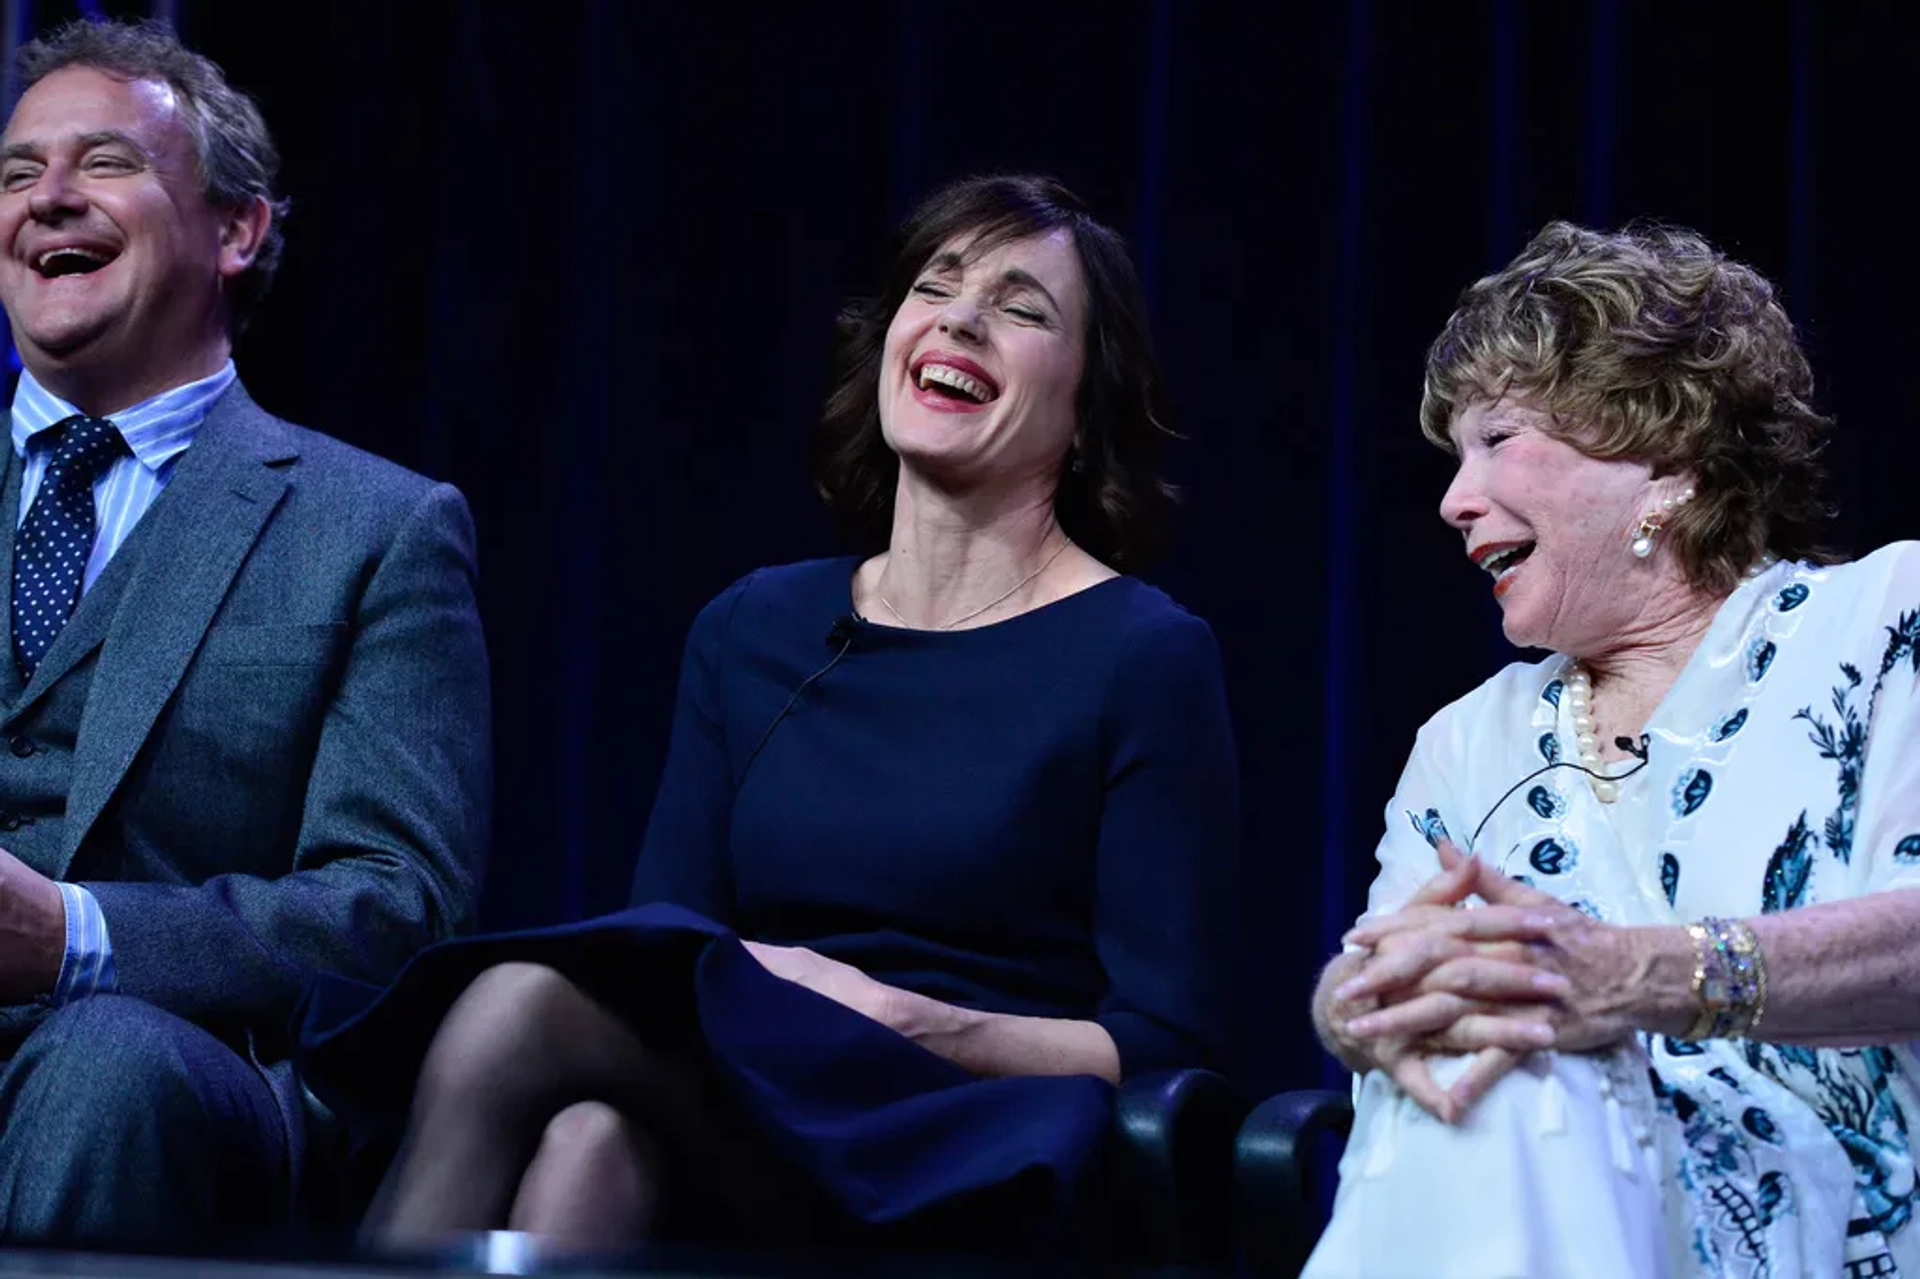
54 255
952 378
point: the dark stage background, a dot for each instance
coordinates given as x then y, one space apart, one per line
581 259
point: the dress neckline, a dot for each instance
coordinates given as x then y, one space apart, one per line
1049 609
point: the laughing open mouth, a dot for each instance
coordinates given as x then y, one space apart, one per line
1500 562
1500 559
70 260
955 384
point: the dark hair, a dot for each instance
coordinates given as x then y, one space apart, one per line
1112 501
235 153
1648 343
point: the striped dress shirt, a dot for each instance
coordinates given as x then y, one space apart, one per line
157 432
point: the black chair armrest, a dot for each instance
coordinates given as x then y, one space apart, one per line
1274 1177
1169 1166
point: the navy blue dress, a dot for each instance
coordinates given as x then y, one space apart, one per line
1036 817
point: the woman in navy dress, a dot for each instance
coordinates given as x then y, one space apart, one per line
945 844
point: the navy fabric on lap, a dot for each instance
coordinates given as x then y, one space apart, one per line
1037 817
888 1130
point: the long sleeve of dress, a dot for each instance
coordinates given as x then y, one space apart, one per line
1168 851
685 858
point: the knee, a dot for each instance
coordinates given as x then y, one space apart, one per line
497 1023
110 1054
110 1077
594 1140
120 1121
592 1161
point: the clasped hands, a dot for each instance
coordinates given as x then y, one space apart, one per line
1524 972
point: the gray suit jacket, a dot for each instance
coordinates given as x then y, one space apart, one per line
283 766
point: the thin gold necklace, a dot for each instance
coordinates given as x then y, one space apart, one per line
989 605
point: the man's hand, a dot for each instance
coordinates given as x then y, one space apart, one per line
33 931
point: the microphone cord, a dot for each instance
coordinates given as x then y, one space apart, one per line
1626 744
845 632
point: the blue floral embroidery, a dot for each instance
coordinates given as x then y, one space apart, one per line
1691 791
1553 857
1679 1100
1903 643
1550 748
1546 803
1670 876
1790 598
1587 908
1845 745
1551 693
1670 1096
1788 870
1715 1166
1727 727
1773 1195
1431 828
1759 659
1681 1047
1848 745
1742 1220
1851 1090
1760 1124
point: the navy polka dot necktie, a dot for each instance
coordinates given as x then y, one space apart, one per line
51 549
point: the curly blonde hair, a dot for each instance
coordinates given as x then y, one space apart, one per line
1649 344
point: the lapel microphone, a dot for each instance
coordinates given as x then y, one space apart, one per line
840 637
1637 749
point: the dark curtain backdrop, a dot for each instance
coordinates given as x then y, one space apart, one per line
581 259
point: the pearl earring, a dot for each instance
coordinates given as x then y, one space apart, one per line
1642 543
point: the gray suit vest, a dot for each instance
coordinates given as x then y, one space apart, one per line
41 721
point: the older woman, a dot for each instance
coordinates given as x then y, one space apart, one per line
969 802
1671 1037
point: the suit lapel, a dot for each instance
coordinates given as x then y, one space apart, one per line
226 488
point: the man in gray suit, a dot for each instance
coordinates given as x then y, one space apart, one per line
243 691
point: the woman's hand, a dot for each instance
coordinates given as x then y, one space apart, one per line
1494 1037
842 983
1604 967
981 1042
1457 992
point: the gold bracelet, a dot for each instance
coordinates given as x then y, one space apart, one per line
1703 953
1729 979
1749 977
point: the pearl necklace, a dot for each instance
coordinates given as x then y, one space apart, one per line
990 604
1586 740
1586 729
